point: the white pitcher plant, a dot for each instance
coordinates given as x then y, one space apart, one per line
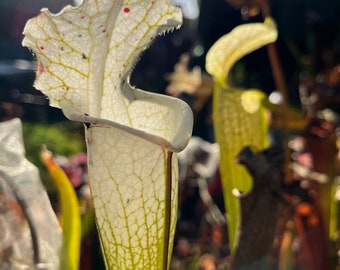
84 60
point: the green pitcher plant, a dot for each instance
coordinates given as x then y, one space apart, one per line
84 59
238 114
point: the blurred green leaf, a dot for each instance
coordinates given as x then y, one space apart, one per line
64 139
